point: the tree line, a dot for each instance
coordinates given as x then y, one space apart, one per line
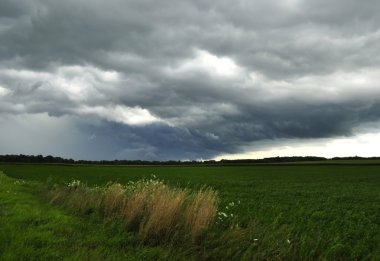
58 160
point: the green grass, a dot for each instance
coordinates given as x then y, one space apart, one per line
294 211
31 229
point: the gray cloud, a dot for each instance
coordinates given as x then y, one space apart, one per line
192 79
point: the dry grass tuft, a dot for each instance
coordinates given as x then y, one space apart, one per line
114 200
201 212
140 195
163 213
155 210
135 208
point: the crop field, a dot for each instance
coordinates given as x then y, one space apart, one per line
305 211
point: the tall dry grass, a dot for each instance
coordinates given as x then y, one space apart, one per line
150 207
114 200
163 215
201 211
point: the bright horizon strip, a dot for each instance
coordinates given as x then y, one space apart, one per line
362 145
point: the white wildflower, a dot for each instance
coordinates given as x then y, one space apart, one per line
222 214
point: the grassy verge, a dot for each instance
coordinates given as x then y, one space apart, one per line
157 212
31 229
89 225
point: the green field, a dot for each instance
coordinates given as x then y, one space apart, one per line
293 211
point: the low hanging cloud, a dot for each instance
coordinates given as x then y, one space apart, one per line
189 79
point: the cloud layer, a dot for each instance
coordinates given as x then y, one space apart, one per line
188 79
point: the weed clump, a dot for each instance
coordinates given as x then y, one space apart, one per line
153 209
114 200
201 211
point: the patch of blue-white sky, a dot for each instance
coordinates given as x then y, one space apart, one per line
189 79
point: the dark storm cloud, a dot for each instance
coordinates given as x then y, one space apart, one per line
191 79
270 37
152 142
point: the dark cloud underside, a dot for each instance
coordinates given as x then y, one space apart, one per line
188 79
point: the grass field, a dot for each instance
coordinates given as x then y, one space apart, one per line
292 211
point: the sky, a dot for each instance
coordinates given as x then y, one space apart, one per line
189 80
